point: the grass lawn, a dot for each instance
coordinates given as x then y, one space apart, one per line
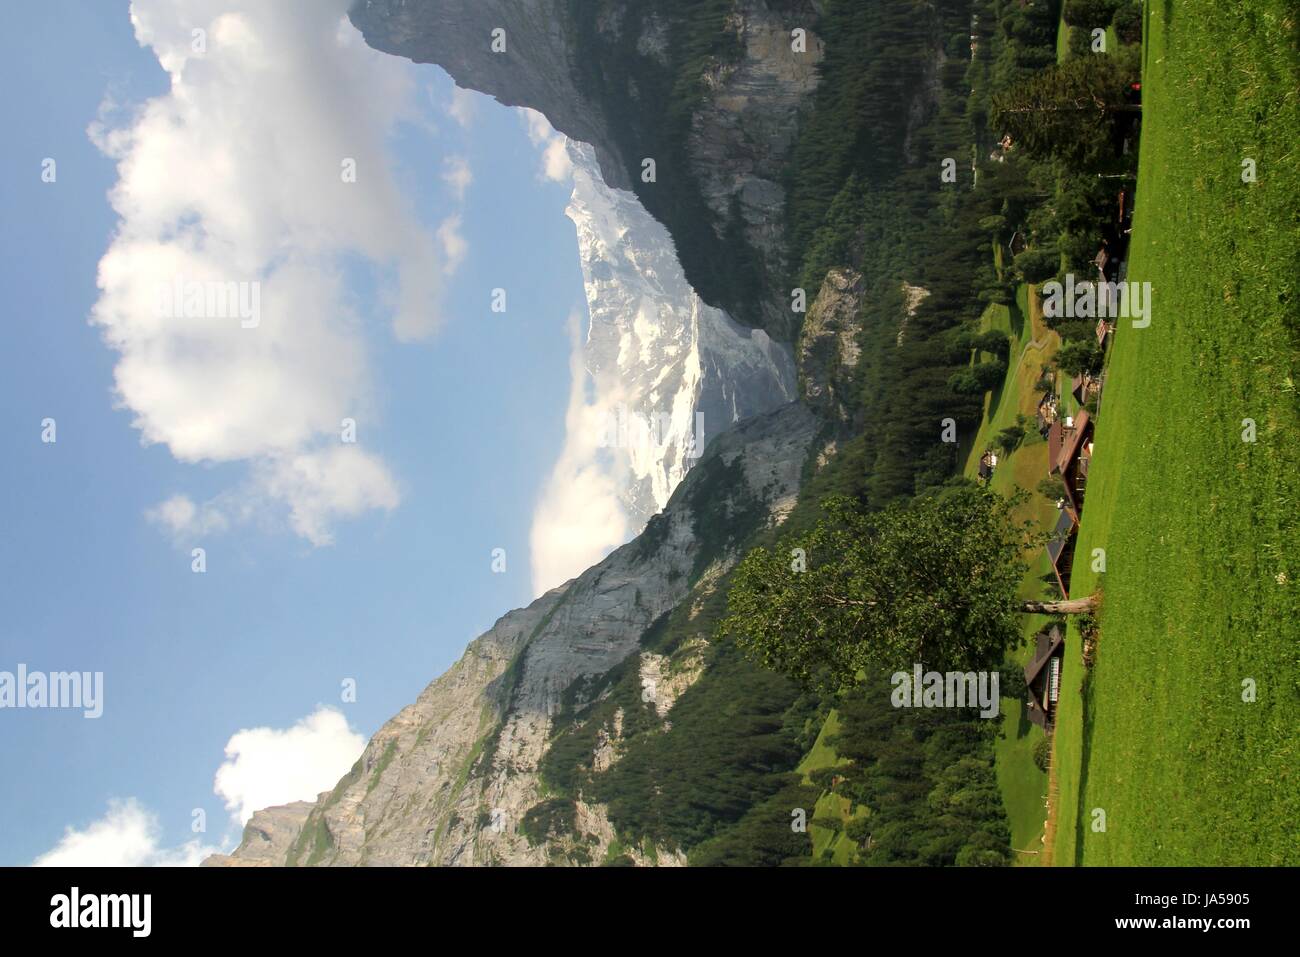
829 806
1199 527
1023 786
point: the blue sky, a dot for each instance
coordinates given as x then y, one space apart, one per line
465 421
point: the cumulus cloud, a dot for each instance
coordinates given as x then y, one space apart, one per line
266 766
457 174
127 836
579 517
556 166
453 242
239 179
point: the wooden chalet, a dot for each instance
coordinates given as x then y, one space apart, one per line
1046 414
1084 387
1060 550
1070 450
1043 677
988 462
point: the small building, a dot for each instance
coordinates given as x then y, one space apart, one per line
1083 387
1043 677
1060 549
1073 459
1046 414
988 462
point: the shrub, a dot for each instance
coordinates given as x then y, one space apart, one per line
1089 13
1128 23
1043 753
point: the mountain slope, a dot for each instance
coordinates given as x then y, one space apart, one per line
450 778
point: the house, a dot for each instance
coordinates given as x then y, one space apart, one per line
1071 455
1084 387
1046 415
1043 677
1060 549
1100 261
1104 328
988 462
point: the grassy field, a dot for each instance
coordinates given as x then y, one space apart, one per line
1199 526
829 806
1023 786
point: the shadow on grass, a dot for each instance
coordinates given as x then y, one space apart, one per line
1017 318
1082 819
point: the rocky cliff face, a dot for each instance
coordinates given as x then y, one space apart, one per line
619 75
536 68
828 344
448 780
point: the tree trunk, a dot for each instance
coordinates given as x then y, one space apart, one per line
1072 606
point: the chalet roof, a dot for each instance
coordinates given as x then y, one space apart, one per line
1045 649
1051 643
1055 439
1071 443
1103 330
1060 535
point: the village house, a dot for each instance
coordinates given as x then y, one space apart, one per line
1070 454
1043 677
1060 549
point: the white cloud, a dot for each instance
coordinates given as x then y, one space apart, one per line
234 176
180 516
461 106
457 174
453 242
556 163
127 836
265 766
338 482
579 517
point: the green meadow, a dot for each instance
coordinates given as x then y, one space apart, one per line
1185 734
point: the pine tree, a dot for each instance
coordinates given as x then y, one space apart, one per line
1069 112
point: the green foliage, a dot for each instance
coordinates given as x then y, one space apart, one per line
548 820
1078 356
1128 21
1043 754
1071 112
1038 264
764 837
1009 439
932 582
925 777
1089 13
1052 488
978 379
